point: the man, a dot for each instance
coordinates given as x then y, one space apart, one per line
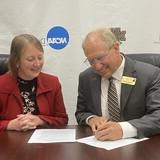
137 88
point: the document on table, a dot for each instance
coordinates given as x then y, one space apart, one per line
92 141
52 136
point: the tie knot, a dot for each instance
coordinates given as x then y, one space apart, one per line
111 79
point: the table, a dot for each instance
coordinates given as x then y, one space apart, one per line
14 146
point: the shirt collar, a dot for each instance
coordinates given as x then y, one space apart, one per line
119 72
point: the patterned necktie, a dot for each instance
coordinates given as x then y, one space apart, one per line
113 107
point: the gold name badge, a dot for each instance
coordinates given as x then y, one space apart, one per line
128 80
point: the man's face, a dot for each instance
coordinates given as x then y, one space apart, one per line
103 60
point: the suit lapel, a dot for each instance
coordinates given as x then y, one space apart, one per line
129 70
96 92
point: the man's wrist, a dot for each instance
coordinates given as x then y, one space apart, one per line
88 118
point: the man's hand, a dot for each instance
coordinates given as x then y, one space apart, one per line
109 131
95 122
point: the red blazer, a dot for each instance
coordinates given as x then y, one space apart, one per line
49 100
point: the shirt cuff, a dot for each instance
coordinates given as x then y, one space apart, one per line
89 118
128 130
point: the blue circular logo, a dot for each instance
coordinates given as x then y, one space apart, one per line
57 37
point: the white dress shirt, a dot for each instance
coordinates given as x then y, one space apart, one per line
128 129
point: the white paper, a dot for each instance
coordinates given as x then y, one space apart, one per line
52 136
92 141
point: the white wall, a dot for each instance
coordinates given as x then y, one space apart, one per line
138 17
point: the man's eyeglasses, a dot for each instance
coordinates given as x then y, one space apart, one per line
95 60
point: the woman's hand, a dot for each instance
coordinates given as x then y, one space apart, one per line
25 122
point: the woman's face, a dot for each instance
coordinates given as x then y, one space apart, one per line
31 62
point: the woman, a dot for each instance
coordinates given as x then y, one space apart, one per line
28 97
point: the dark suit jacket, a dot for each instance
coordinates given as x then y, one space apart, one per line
140 103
